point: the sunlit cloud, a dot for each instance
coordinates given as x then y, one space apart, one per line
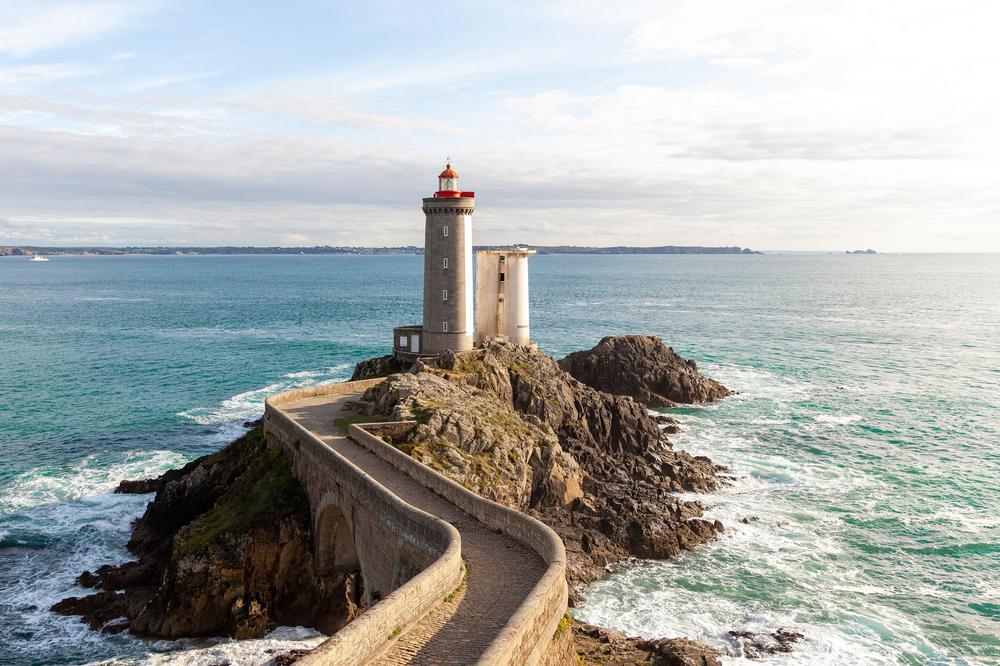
40 25
785 124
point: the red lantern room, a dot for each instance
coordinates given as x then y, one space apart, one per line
448 184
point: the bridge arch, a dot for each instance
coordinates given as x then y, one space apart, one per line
335 547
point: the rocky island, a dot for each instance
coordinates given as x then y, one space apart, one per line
226 546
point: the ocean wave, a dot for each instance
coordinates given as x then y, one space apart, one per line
215 651
117 299
838 419
73 536
246 652
90 476
250 404
239 407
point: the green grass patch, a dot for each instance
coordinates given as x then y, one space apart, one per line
565 623
405 447
344 421
264 493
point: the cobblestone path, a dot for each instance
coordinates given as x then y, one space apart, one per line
501 572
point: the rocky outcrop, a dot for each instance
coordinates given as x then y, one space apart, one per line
596 645
380 366
506 422
225 548
642 367
754 645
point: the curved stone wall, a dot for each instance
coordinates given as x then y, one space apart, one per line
376 514
529 631
527 634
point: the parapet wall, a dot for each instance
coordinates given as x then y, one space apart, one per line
527 634
433 545
529 631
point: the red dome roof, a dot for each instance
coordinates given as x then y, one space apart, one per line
448 172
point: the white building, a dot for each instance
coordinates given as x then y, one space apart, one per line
502 295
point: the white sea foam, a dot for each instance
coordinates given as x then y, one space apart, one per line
40 486
838 419
304 374
787 565
211 652
250 404
239 407
95 527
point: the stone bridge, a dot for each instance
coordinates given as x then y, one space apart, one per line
449 577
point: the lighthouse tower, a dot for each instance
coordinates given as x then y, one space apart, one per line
448 267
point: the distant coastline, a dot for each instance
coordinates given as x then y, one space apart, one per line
29 250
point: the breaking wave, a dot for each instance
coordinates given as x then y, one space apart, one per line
250 404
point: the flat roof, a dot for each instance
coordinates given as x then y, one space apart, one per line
507 250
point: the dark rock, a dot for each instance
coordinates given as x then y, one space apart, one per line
288 658
447 360
225 548
380 366
681 652
138 486
668 424
755 645
642 367
604 647
88 579
507 423
117 577
96 609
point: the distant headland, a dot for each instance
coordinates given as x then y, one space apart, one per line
29 250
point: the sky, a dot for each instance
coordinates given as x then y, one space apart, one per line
773 124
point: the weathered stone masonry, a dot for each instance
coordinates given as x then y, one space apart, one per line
408 558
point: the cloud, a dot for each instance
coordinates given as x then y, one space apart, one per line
30 27
781 124
167 80
30 74
279 189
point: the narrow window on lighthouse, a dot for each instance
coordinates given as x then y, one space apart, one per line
444 294
446 230
444 327
444 263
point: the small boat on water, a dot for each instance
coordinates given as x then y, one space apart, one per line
38 257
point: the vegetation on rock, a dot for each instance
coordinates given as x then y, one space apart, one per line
508 423
225 548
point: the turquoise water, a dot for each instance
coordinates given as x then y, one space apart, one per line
865 440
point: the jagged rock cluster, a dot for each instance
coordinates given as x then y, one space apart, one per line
597 645
644 368
507 422
225 548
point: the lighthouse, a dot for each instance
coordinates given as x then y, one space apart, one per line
447 274
448 266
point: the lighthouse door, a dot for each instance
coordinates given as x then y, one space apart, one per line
415 343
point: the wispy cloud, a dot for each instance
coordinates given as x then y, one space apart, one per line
793 124
28 74
30 27
167 80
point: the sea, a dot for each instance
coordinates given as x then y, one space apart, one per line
863 448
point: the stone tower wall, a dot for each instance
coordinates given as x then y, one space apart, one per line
456 214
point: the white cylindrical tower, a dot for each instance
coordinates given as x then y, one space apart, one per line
502 295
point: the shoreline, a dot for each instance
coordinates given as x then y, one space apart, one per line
501 355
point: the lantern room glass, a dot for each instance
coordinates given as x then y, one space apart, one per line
448 184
